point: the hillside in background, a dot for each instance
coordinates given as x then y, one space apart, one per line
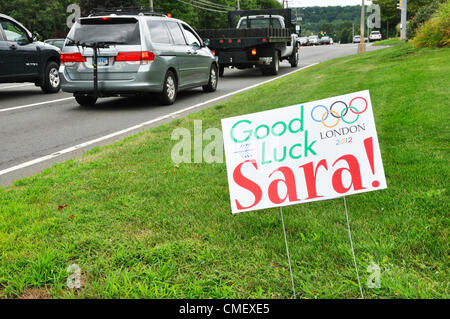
315 17
330 20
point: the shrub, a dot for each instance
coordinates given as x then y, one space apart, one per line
436 31
423 14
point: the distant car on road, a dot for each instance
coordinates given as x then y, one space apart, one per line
135 53
24 59
313 40
59 43
356 39
303 41
324 40
375 36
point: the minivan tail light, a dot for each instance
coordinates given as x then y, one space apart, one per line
128 56
147 56
144 56
72 57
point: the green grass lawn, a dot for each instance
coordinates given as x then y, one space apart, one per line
140 226
390 41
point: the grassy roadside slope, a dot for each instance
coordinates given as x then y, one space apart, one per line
390 41
140 226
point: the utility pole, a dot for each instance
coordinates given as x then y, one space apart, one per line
362 42
404 4
238 5
151 5
387 27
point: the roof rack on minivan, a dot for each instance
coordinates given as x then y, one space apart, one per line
126 11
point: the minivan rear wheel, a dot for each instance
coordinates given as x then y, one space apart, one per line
85 100
212 84
169 93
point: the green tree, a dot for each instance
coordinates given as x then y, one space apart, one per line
46 17
390 15
422 15
389 7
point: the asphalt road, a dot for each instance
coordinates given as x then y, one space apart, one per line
35 127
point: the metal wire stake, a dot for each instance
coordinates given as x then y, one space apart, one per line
287 251
353 252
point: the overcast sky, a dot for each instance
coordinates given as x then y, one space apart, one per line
325 3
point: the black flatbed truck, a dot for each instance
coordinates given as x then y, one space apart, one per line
250 47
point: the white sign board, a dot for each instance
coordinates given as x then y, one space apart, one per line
302 153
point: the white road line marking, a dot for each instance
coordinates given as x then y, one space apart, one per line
15 86
35 104
135 127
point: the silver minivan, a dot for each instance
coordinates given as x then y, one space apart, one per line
134 54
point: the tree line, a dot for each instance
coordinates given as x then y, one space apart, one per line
48 17
342 22
335 21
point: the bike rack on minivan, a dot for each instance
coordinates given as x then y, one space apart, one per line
96 46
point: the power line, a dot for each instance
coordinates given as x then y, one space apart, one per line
213 4
209 4
200 7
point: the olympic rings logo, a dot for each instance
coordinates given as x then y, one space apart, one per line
338 115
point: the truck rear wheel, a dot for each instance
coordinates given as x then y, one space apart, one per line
274 65
294 58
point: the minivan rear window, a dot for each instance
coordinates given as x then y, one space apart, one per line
158 32
115 30
176 33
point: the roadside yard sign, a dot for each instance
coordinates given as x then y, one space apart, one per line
302 153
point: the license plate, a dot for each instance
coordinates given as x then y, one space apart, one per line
102 61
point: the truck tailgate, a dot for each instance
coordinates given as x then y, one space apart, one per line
221 37
229 57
